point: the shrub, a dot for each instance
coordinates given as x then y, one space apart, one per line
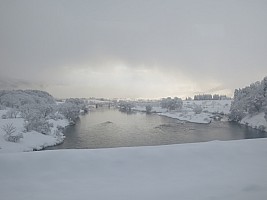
262 128
38 124
10 133
197 109
12 113
148 108
70 110
236 114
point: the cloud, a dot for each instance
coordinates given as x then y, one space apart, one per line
205 44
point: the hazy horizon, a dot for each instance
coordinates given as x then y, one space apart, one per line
132 49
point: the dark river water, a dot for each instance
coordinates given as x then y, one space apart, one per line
103 128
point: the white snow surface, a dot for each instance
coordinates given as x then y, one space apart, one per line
212 106
209 109
202 118
31 140
232 170
255 121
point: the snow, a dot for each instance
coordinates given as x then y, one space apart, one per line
210 108
31 140
202 118
232 170
255 121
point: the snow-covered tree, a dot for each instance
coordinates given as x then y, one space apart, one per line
35 120
148 108
172 104
70 110
35 123
11 134
78 102
197 109
249 100
216 97
125 106
17 98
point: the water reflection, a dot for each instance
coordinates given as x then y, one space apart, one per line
104 128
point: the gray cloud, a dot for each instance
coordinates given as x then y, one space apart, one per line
201 42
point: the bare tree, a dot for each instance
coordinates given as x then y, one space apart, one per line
9 130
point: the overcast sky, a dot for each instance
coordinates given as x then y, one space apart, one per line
136 49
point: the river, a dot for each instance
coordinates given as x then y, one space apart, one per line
104 128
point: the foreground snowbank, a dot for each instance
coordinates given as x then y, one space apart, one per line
215 170
31 140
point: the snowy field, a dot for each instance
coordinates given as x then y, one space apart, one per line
232 170
31 140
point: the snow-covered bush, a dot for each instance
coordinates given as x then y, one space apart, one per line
9 129
126 106
4 116
60 128
70 110
34 119
2 107
172 104
46 109
236 114
38 124
262 128
56 116
78 102
148 108
12 113
197 109
13 138
57 133
11 134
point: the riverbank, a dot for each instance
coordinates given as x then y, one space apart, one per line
233 170
208 109
256 121
32 140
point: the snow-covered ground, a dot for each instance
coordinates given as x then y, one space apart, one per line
256 121
210 108
232 170
202 118
31 140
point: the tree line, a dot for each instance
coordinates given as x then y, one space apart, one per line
249 100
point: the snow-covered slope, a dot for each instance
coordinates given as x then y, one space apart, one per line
255 121
232 170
